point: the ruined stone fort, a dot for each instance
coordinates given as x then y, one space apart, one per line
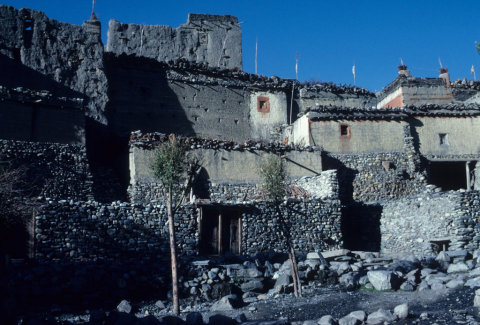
394 171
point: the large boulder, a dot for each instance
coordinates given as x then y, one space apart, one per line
327 320
383 280
457 267
340 267
221 290
380 316
229 302
401 311
282 282
349 320
124 307
254 285
359 314
249 273
473 283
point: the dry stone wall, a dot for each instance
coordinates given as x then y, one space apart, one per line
424 222
306 225
54 170
83 246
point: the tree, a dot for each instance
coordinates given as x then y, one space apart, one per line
175 169
273 171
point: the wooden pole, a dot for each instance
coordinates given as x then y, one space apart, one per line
173 255
467 169
294 277
297 277
256 54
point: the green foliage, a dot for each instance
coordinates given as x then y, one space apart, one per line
169 163
273 172
375 290
478 47
236 281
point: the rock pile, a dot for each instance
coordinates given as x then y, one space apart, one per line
223 285
185 71
151 140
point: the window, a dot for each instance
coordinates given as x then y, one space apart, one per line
443 139
345 131
28 24
263 104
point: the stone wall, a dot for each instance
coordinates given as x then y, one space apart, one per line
54 170
313 96
425 222
409 90
42 53
119 247
308 225
378 176
211 39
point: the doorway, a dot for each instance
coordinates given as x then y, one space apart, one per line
220 230
451 175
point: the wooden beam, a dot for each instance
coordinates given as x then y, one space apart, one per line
467 169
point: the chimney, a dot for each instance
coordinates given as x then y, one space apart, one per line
445 76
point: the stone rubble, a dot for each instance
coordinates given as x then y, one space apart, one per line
218 279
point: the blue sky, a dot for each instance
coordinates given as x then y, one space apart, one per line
328 35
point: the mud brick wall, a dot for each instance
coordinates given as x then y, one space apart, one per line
211 39
43 53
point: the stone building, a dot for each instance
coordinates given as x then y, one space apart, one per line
354 156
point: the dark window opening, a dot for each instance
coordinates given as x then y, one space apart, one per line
344 130
449 175
21 243
263 104
220 231
443 139
439 245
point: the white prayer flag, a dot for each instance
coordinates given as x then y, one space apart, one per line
472 70
353 70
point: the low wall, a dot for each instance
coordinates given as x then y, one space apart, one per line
308 224
414 223
120 248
